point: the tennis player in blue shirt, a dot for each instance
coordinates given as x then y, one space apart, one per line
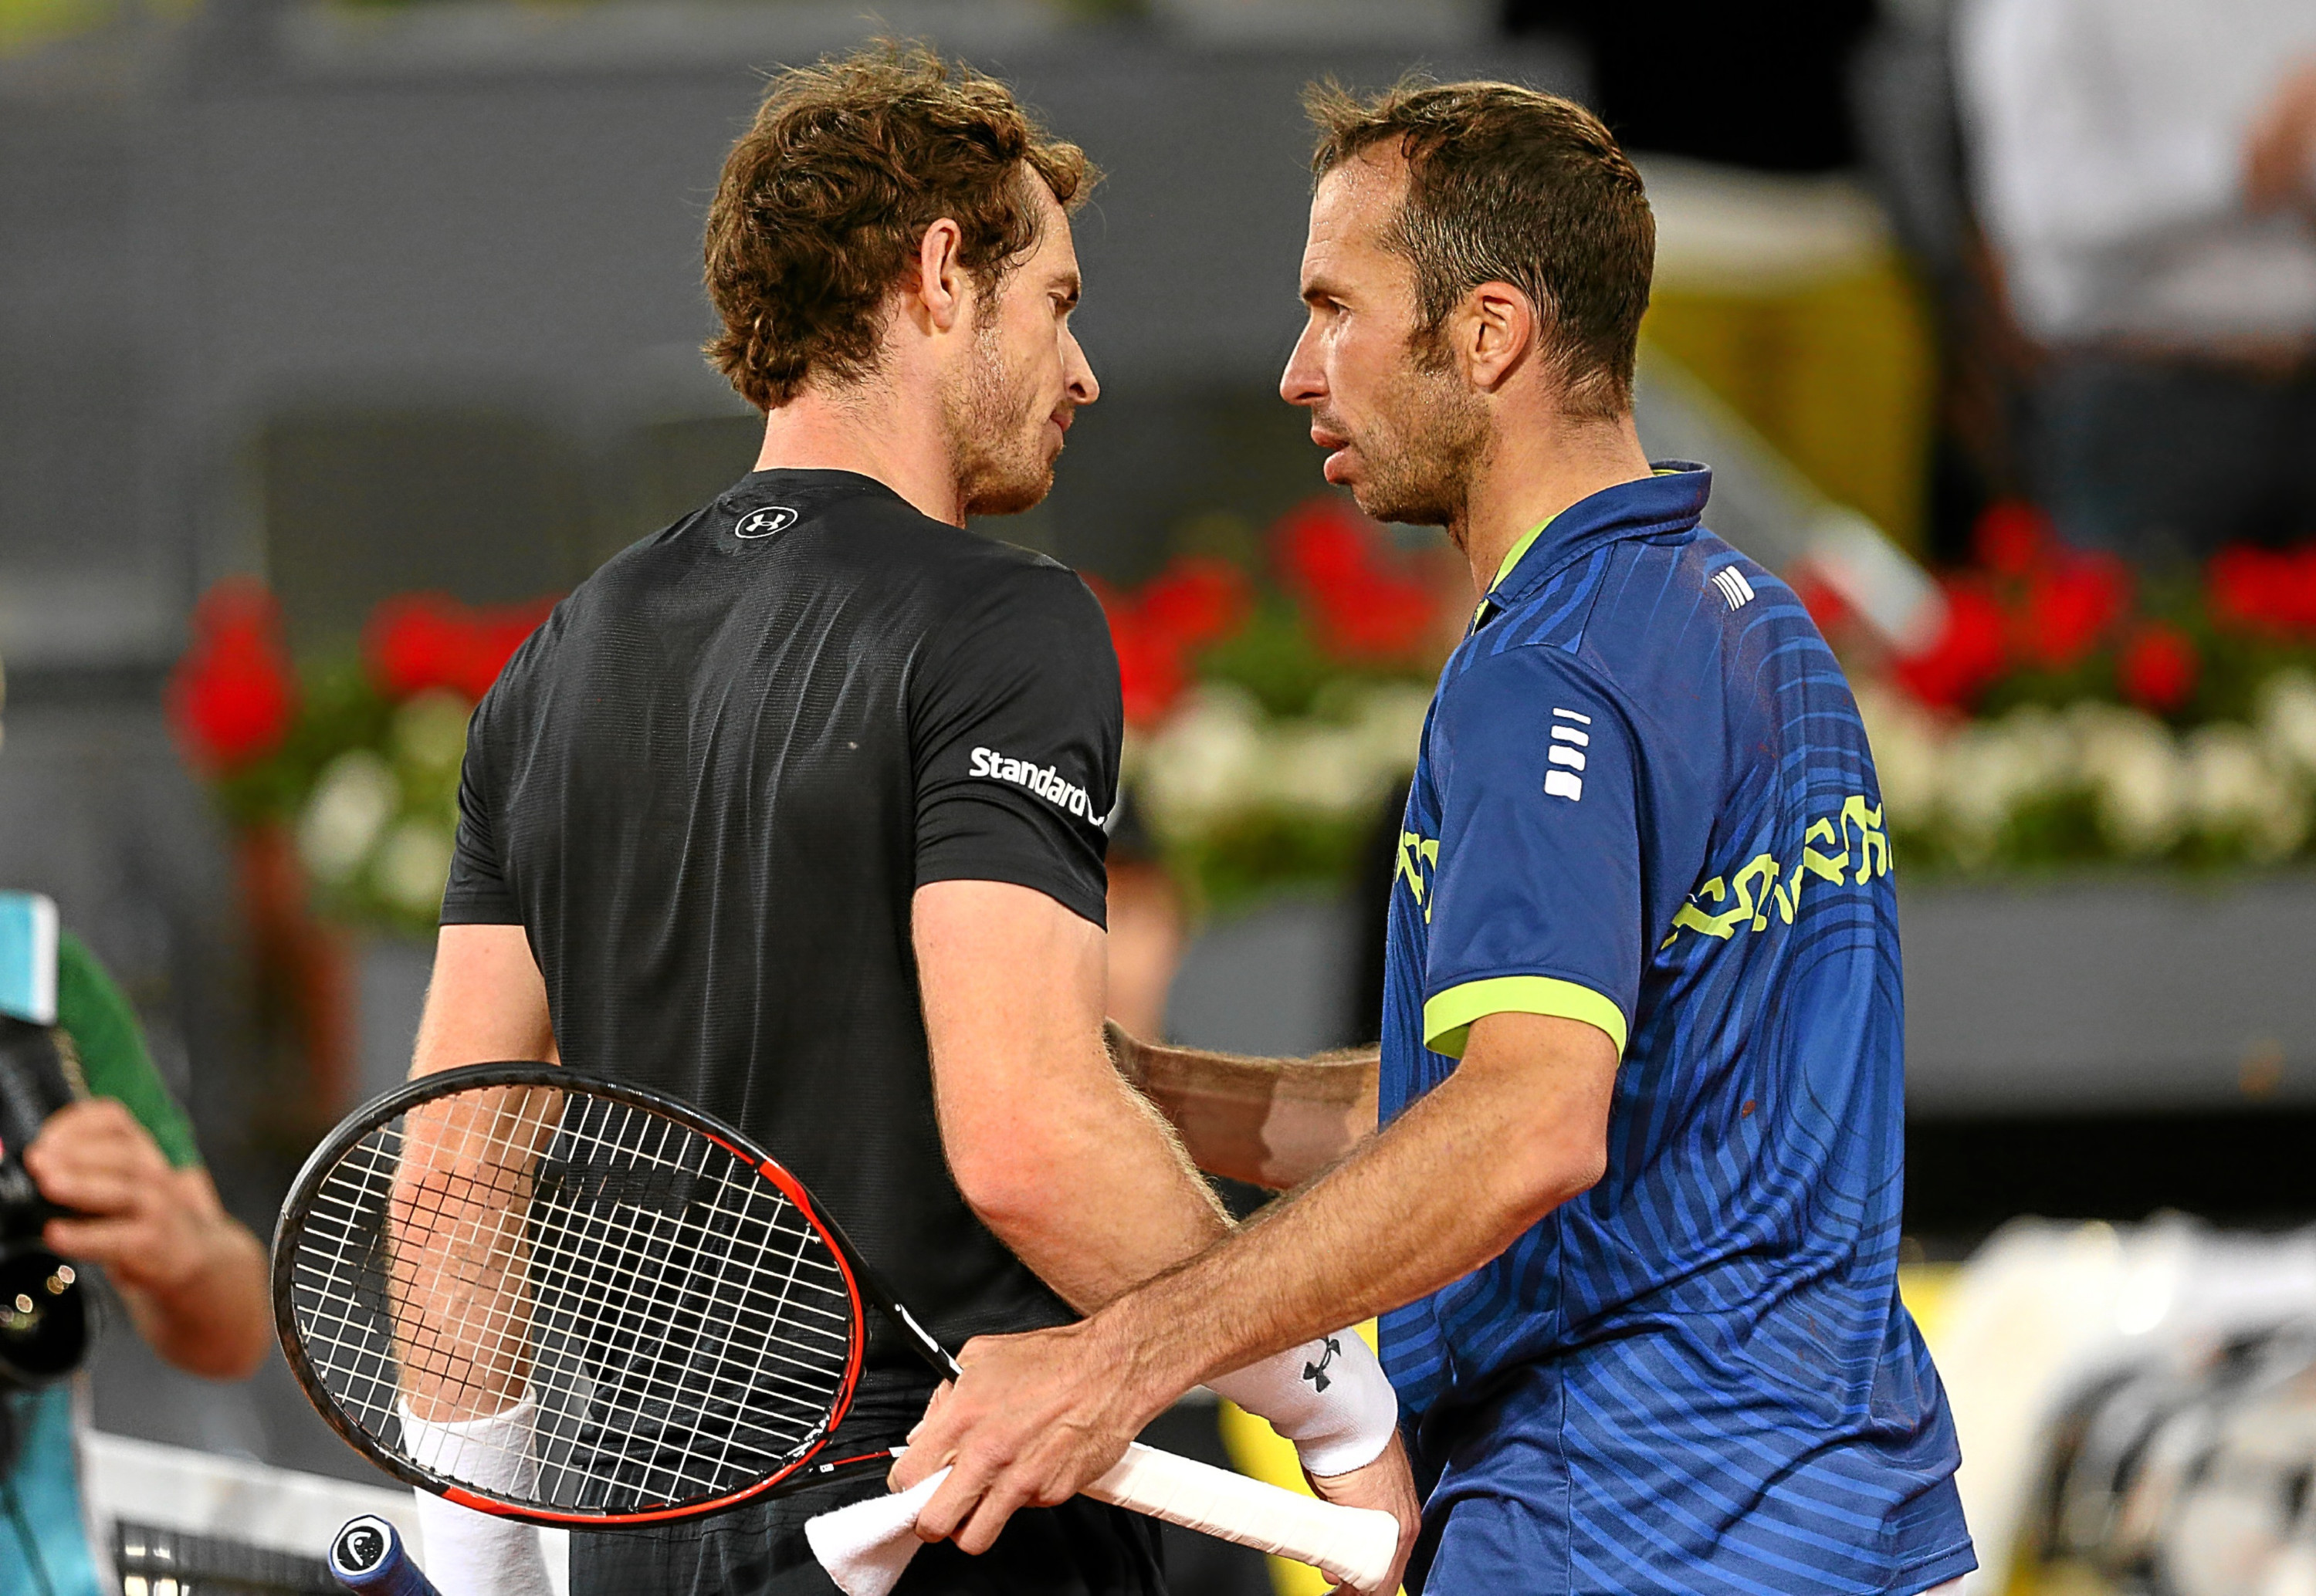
1632 1218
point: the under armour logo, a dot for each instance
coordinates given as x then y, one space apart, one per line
1317 1373
763 523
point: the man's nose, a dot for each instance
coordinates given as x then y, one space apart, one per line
1077 371
1304 380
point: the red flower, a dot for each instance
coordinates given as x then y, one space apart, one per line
233 697
1826 606
1364 604
1195 600
424 641
2013 538
2158 668
2071 603
2265 591
1968 656
1152 671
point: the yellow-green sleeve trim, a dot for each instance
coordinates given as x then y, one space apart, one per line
1447 1019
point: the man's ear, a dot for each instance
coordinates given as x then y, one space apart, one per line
938 297
1494 333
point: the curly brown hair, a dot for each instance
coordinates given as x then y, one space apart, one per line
1506 184
824 200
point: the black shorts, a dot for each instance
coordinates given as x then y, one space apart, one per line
1080 1549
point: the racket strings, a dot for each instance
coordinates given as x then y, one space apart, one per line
681 1328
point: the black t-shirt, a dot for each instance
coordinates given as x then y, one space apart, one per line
706 788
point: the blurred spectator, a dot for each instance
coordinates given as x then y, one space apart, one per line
1145 926
2146 170
122 1161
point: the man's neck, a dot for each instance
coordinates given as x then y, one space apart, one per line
1533 473
875 432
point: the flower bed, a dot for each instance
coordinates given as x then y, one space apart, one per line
359 755
1274 701
2068 714
2072 715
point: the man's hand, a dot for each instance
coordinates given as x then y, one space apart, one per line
193 1278
1048 1414
1072 1401
145 1222
1386 1484
2279 151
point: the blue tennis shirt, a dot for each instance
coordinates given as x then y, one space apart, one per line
1645 800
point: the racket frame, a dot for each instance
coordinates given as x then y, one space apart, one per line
865 1287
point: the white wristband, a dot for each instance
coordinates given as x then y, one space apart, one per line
467 1553
1329 1396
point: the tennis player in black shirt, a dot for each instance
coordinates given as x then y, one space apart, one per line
795 809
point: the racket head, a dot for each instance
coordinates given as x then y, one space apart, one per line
685 1326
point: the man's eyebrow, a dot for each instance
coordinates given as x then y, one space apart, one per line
1320 286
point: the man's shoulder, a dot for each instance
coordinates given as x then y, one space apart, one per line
981 581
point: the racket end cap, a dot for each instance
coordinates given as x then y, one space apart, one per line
364 1546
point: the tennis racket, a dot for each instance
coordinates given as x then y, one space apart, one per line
679 1324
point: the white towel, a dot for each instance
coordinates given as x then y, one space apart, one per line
867 1546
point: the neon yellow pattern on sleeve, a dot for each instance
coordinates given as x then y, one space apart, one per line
1447 1019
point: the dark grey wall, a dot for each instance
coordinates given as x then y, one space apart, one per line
365 226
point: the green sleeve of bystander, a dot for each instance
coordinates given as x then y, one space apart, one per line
113 1061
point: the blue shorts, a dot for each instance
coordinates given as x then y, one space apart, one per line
1523 1497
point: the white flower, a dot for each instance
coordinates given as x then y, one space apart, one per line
2131 764
2235 791
1319 766
2287 717
1909 748
430 730
1389 720
413 866
1205 763
1994 769
348 808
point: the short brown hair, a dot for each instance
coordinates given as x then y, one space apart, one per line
824 200
1506 184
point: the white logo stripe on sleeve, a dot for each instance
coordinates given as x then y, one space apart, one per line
1564 781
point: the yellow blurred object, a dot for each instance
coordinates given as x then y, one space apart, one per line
1928 1292
1260 1452
1786 297
26 25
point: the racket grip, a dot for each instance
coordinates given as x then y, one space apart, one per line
1350 1545
367 1557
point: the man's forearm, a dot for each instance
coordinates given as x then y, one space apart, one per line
1271 1122
1447 1187
1110 1199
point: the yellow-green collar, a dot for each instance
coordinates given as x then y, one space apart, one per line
1512 557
